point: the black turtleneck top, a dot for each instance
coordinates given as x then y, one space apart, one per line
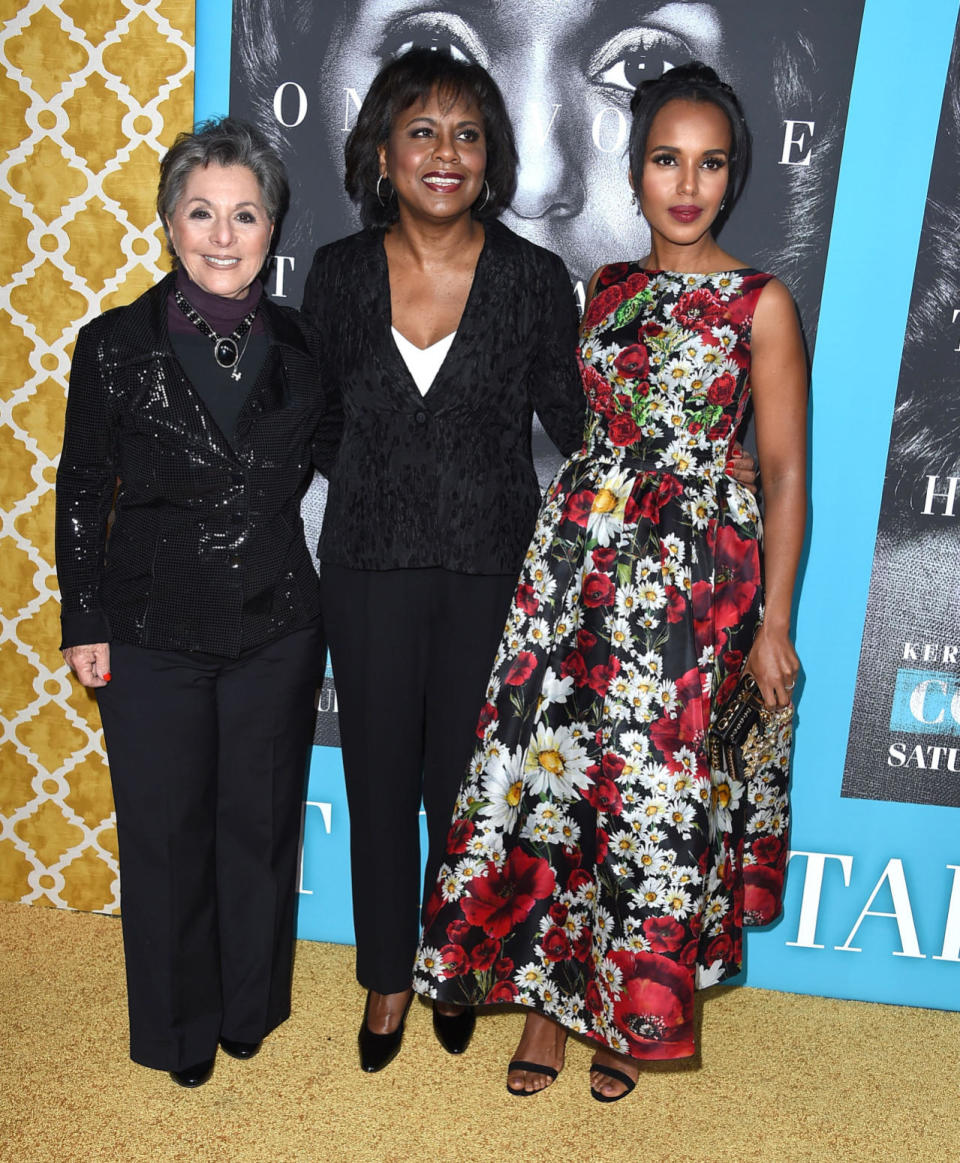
222 395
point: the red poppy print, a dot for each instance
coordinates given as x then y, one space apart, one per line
636 283
613 272
457 932
573 666
603 794
684 730
504 897
598 391
503 991
555 944
459 836
667 487
488 715
602 304
699 310
623 430
664 934
523 666
597 590
582 944
720 948
579 878
655 1007
602 675
738 577
527 599
633 362
593 999
586 640
762 893
769 850
484 954
722 389
453 960
578 507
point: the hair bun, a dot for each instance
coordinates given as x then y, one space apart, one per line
690 72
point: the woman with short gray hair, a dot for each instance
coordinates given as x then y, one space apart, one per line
192 417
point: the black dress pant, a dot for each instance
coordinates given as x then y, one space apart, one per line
208 760
412 651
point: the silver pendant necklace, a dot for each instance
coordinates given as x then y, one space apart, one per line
226 348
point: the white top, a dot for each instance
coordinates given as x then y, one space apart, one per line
423 363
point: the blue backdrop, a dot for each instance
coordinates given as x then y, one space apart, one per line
871 910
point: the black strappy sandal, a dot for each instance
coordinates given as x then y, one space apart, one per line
532 1068
617 1076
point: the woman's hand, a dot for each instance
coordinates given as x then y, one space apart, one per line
774 664
743 468
91 664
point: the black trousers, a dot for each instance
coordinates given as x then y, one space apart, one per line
412 651
208 760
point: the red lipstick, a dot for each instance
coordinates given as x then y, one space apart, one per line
685 213
442 181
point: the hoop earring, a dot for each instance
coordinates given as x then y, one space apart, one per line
486 197
380 197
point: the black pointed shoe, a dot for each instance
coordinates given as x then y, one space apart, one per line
454 1031
193 1076
241 1050
379 1050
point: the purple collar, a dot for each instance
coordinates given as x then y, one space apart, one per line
222 314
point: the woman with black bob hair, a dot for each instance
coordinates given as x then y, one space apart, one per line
192 418
398 88
602 858
443 332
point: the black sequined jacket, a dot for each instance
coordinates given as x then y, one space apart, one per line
207 550
445 479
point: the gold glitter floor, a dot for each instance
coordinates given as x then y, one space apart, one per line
782 1078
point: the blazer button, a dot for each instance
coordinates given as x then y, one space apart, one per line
234 562
421 417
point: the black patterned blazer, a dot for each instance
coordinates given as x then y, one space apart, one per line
207 549
445 479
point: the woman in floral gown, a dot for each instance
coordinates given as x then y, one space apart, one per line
597 871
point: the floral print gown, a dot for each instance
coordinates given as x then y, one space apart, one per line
596 870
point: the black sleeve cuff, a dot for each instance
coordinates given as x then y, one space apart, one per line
83 629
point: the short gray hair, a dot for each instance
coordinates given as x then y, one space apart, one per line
224 141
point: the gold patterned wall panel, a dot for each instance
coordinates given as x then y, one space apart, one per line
92 93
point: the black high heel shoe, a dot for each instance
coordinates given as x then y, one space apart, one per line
454 1031
193 1076
379 1050
241 1050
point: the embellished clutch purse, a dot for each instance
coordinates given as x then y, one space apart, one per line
740 712
734 719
